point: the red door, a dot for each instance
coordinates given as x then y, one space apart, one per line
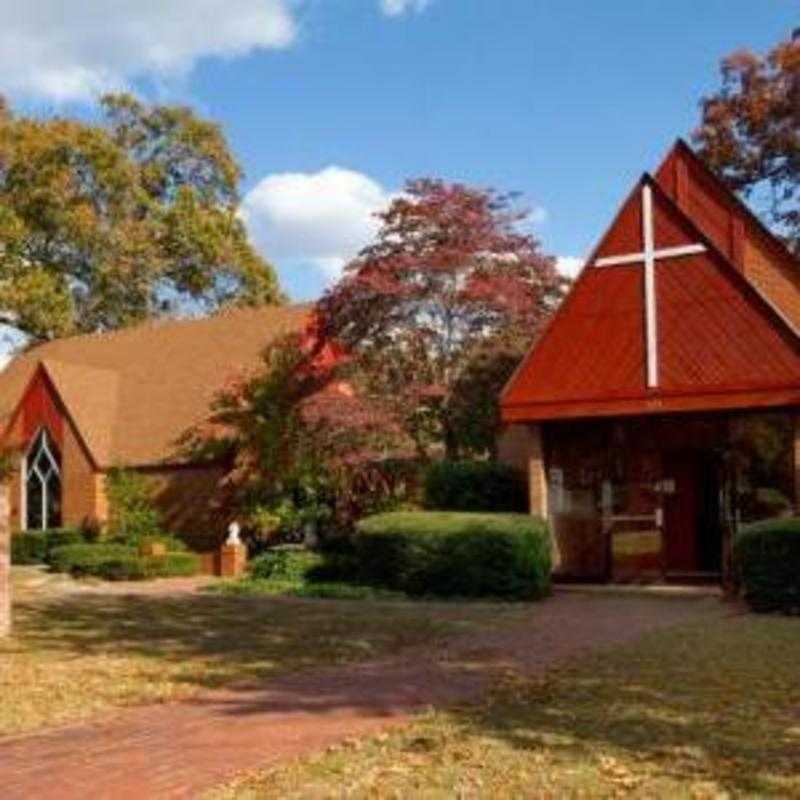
681 512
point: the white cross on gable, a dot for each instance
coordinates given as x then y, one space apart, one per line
648 256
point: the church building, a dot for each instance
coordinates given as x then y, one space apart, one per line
74 408
657 412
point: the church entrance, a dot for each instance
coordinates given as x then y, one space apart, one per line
645 499
692 518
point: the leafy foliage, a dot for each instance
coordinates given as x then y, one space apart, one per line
305 448
767 561
132 515
282 563
83 558
105 224
118 562
35 547
474 486
750 131
468 555
450 272
473 409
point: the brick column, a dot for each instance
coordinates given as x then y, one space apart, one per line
232 560
5 563
537 476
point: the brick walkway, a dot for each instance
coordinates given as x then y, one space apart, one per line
182 749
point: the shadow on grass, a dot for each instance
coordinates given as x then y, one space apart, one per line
211 640
716 702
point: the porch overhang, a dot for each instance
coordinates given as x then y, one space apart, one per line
719 400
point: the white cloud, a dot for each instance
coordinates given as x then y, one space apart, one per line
64 51
569 265
323 218
396 8
538 215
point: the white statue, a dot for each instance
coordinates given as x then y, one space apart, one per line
234 529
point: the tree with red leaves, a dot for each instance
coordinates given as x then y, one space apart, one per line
750 132
451 271
302 446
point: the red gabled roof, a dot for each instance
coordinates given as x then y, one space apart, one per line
720 343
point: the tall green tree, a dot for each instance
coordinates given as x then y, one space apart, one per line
107 223
750 132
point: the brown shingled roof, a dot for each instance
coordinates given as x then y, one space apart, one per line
134 392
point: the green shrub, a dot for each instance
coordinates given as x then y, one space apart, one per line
454 554
172 565
58 537
335 567
120 562
29 547
83 559
767 564
474 486
132 515
171 542
284 564
34 547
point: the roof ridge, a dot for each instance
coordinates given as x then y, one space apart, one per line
729 264
738 203
153 323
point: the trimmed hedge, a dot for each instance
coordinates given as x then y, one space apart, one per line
35 547
284 563
454 554
767 563
474 486
117 562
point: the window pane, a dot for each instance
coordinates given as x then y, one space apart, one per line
33 500
43 481
54 502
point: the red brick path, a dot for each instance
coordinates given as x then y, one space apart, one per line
181 749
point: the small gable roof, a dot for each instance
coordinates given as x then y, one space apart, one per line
133 393
717 340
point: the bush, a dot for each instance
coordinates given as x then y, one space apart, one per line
767 565
132 515
474 486
284 564
172 565
449 554
120 562
83 559
29 547
58 537
171 542
34 547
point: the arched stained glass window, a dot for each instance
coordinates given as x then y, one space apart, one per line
43 483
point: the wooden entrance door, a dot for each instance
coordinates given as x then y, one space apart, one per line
681 511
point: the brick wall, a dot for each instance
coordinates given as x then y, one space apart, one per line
521 447
79 483
187 498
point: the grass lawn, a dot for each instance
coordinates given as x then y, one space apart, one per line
76 652
706 710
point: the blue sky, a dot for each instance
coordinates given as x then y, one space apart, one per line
331 104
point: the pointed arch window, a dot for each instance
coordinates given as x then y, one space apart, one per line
43 483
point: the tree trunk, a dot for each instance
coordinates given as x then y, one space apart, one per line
5 563
452 450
